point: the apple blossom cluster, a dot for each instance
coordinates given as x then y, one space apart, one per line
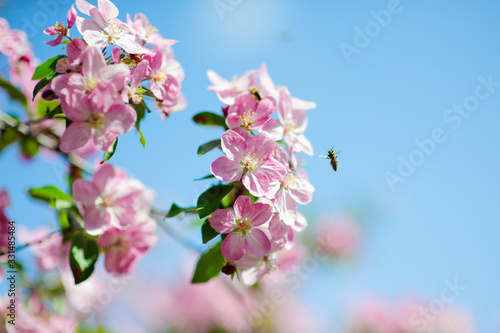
20 57
264 131
101 94
116 209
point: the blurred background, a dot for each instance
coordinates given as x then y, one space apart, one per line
408 91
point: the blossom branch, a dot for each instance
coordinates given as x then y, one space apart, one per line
44 140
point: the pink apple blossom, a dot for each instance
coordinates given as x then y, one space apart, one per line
248 113
111 200
126 247
138 75
256 268
74 50
286 192
60 29
105 29
281 233
94 71
242 228
267 88
142 29
48 248
228 90
259 160
166 75
292 124
97 117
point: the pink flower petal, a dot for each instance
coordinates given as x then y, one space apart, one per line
216 79
108 9
104 139
51 31
257 242
222 221
84 7
119 262
274 129
116 74
99 18
75 48
93 62
116 54
71 16
85 25
226 170
95 38
273 170
119 119
233 247
85 192
256 183
233 144
261 214
243 207
139 73
56 41
286 206
96 220
102 176
108 237
75 136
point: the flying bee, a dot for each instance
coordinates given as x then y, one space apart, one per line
255 93
332 155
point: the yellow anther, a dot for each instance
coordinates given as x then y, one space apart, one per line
247 118
95 120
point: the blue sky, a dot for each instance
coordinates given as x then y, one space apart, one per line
440 223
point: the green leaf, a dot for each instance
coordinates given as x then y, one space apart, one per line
209 119
30 146
63 220
48 194
13 92
210 200
53 196
55 111
176 210
143 139
43 107
140 109
206 177
48 67
205 148
207 232
107 155
7 137
83 256
141 112
209 265
145 91
75 218
43 83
